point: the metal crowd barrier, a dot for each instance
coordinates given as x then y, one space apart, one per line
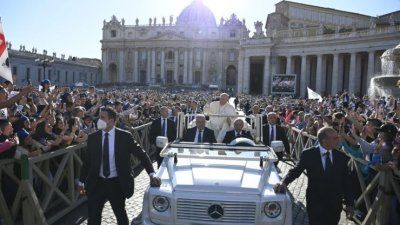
376 196
46 187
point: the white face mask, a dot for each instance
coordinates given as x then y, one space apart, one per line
101 124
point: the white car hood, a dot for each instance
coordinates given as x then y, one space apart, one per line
216 175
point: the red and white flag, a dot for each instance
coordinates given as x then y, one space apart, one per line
5 70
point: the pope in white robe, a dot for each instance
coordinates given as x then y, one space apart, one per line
221 107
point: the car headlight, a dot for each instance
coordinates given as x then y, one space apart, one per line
272 209
160 203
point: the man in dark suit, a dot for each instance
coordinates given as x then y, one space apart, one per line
345 99
162 127
236 101
274 132
200 133
237 132
175 113
328 180
256 110
193 110
107 173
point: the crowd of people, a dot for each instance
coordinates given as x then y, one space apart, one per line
34 121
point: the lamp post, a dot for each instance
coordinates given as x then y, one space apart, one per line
44 62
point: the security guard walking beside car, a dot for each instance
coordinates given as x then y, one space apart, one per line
107 170
328 180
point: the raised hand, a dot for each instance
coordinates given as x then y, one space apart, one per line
81 189
280 188
155 181
349 211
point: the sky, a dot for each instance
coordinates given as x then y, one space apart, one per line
74 27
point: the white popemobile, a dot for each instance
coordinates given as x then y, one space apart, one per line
217 184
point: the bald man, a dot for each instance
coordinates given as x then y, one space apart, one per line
328 180
238 131
221 107
274 132
162 127
200 133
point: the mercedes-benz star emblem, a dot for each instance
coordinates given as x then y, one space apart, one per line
215 211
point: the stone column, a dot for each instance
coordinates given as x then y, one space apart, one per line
105 78
246 77
336 82
352 73
135 66
204 75
325 86
371 65
162 70
341 73
149 66
303 76
220 69
185 67
308 72
319 75
176 59
153 66
121 66
191 66
358 73
274 65
267 75
289 64
240 73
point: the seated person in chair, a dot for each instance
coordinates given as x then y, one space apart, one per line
200 133
274 132
237 132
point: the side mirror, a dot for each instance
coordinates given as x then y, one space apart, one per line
161 141
277 146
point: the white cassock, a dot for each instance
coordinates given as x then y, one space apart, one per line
218 123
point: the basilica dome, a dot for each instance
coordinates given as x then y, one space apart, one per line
196 14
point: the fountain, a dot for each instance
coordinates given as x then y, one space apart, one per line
389 82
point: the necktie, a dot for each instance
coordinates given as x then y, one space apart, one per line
237 134
193 116
271 137
106 161
199 137
163 127
328 163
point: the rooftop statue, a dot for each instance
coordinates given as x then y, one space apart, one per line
259 32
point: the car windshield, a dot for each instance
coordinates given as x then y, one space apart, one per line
218 152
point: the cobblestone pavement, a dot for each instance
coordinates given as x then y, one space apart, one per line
134 204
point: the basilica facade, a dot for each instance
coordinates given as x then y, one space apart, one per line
325 49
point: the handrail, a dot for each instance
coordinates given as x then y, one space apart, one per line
383 182
46 187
